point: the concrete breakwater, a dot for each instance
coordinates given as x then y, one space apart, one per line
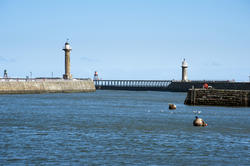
46 86
218 97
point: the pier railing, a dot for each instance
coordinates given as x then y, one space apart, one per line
132 84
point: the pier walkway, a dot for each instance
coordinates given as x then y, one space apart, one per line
132 84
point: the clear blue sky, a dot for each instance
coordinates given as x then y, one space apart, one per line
129 39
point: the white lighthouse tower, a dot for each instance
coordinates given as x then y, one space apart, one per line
67 50
184 71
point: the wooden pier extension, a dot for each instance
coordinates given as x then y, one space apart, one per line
218 97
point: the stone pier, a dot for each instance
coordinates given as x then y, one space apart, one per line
218 97
45 86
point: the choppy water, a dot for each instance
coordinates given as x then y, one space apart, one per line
119 128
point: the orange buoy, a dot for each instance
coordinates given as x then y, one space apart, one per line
172 106
199 122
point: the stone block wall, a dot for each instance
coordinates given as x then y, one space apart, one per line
48 86
218 97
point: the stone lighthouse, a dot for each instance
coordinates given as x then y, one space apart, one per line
184 71
67 50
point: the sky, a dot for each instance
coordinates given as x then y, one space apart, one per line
126 39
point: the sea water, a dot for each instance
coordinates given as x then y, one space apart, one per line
119 128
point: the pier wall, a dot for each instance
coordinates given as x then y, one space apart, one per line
48 86
184 86
166 85
218 97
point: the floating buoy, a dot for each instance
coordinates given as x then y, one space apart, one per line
172 106
199 122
